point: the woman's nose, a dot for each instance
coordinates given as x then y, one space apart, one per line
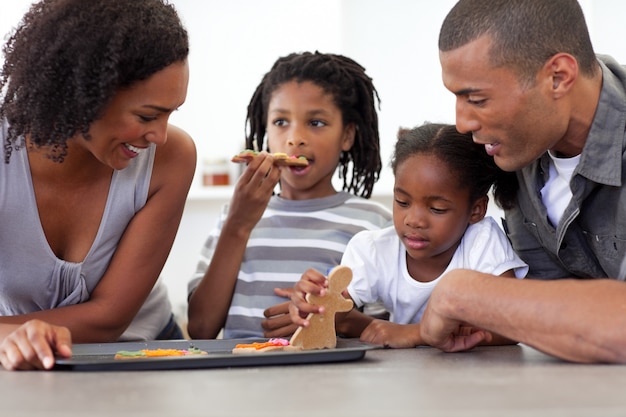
158 134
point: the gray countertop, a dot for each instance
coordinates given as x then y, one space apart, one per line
488 381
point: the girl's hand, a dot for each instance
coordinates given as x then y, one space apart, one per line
311 282
385 333
33 346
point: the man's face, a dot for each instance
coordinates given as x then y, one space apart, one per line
516 123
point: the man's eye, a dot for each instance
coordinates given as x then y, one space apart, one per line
476 102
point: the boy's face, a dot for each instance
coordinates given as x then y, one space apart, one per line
303 120
516 123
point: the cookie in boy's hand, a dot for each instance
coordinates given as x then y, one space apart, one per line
280 158
321 332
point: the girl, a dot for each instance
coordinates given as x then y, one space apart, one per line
440 199
93 179
315 105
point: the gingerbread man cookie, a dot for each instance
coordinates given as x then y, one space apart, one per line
321 332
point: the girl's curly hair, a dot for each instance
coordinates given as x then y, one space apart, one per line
67 59
474 168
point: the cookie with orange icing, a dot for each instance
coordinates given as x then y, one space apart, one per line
280 158
275 344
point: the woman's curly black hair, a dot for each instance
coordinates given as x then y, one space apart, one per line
474 168
353 93
67 59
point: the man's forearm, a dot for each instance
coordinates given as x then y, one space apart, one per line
577 320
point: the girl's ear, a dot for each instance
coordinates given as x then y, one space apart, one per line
479 209
349 133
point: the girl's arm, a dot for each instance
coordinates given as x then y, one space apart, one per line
210 301
140 254
573 319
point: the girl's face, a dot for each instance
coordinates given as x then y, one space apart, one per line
135 118
303 120
430 214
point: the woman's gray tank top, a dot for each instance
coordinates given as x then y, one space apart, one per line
32 278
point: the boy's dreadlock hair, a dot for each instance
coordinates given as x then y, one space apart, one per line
353 93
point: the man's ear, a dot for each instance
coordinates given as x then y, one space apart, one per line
562 71
349 133
479 209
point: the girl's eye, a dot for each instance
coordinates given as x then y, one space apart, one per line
279 122
401 203
438 210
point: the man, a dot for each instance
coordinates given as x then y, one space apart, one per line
530 88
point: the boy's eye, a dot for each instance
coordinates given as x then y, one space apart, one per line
438 210
317 123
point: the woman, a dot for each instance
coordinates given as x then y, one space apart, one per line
93 180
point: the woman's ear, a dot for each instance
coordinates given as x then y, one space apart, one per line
479 209
349 133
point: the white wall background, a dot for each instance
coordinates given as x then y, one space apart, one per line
234 42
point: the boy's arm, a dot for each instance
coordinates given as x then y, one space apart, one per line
210 301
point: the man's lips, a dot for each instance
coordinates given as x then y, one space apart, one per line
492 148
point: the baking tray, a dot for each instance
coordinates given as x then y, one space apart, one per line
99 356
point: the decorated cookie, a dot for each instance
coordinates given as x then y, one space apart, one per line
321 331
280 158
260 347
158 353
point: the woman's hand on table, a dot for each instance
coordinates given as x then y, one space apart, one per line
33 345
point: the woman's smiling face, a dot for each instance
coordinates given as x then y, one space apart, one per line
136 117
